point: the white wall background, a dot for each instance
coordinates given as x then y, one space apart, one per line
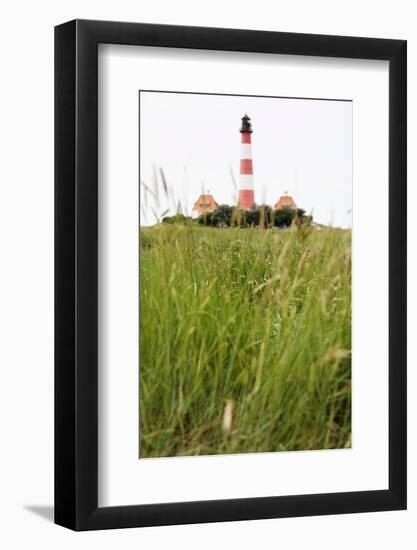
26 285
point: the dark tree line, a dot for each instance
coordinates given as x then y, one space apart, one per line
263 216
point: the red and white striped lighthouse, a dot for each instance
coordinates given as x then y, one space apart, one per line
246 189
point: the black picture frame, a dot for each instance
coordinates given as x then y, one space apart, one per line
76 273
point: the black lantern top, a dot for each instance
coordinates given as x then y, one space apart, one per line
246 125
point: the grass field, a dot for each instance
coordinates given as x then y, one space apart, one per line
245 340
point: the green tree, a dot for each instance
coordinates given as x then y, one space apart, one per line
205 218
238 217
252 216
283 217
266 216
222 216
177 218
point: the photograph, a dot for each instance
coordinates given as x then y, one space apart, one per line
245 274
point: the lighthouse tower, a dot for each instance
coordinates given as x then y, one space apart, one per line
246 190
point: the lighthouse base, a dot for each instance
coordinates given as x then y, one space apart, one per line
246 198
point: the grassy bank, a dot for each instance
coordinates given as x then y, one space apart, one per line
245 340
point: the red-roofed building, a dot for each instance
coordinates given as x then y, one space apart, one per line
285 201
204 204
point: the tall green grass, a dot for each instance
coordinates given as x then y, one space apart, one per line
245 340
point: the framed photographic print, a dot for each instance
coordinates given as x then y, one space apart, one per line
230 254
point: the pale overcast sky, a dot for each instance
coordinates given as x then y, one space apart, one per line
300 146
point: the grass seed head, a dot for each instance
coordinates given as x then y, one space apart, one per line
228 417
